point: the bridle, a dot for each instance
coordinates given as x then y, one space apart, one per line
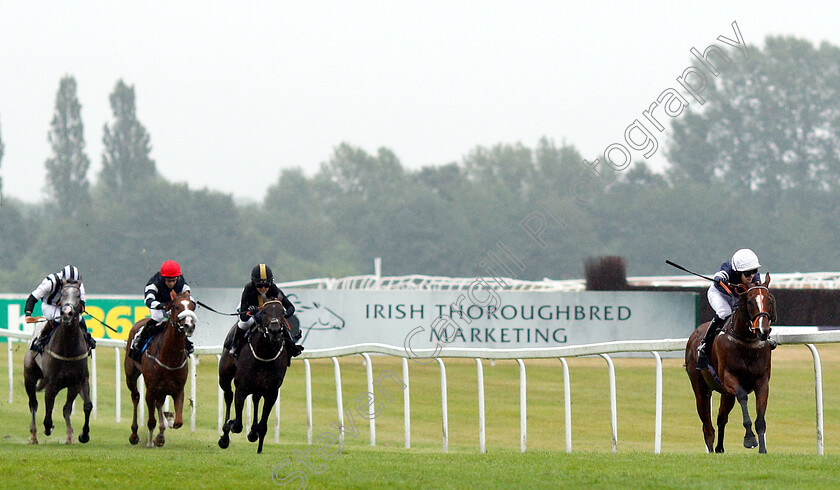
263 329
754 328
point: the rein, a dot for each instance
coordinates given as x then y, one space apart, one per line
199 303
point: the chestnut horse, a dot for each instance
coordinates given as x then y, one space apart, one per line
739 363
258 371
62 365
164 367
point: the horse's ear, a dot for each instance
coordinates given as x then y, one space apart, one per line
172 294
766 280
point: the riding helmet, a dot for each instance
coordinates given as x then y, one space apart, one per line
170 268
70 273
261 275
745 260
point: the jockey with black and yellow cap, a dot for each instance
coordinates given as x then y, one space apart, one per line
256 293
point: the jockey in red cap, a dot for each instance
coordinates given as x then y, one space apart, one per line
156 295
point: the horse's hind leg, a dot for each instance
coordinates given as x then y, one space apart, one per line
726 404
703 398
131 376
88 407
761 393
67 411
749 436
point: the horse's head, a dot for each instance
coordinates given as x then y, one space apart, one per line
182 313
757 309
271 322
71 302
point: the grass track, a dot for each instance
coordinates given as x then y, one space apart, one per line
193 458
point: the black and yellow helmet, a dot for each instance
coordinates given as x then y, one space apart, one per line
261 275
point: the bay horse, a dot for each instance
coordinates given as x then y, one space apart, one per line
63 364
739 364
258 371
164 367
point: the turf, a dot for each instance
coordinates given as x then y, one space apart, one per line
194 458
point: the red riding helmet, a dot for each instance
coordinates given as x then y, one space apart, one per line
170 268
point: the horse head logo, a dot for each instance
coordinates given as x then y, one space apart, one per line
315 316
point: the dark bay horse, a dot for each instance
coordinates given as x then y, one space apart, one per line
258 371
739 363
62 365
164 367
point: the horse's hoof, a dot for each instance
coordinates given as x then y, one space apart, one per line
750 442
253 436
47 431
719 450
177 425
159 440
84 438
33 440
69 441
224 442
236 428
133 439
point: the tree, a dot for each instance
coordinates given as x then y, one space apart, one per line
125 158
67 169
771 122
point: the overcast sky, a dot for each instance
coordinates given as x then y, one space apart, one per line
231 92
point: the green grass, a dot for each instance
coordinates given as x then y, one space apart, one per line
194 459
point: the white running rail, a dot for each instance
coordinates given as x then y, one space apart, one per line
602 349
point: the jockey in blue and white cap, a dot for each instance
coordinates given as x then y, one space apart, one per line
49 293
741 269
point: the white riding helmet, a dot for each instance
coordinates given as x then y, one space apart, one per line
744 260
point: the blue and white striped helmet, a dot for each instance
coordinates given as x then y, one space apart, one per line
70 273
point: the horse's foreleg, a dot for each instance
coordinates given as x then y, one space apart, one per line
254 433
160 440
88 407
726 404
67 411
224 439
49 403
749 436
151 405
179 408
268 404
761 393
239 402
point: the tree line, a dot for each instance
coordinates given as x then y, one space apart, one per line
758 165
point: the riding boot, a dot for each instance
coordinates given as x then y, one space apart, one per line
705 347
773 344
188 346
140 339
91 343
41 341
294 349
238 342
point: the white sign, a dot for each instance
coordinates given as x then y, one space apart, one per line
482 318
